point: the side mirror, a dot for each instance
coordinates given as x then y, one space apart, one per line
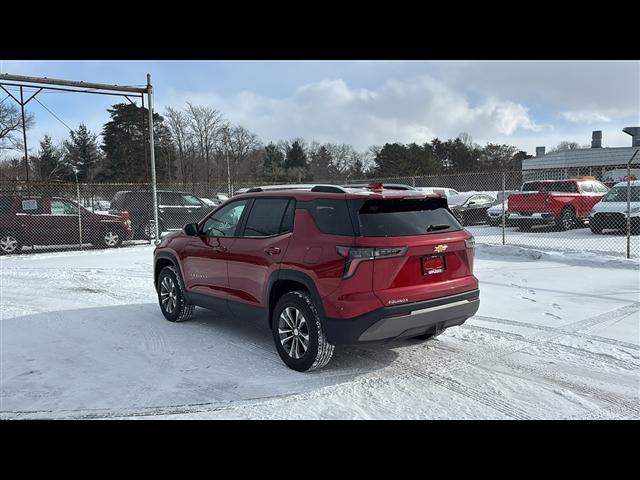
191 229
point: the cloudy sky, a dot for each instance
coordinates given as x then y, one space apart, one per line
523 103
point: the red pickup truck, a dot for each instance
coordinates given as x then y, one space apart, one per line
565 203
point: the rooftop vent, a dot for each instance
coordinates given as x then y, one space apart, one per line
540 151
596 139
635 135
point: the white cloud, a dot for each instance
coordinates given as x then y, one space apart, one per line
584 116
416 109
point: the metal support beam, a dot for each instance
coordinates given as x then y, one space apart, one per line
152 156
24 136
70 83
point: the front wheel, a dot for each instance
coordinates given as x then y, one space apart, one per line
171 296
10 243
298 333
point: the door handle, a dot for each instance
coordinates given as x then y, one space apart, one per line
220 249
272 250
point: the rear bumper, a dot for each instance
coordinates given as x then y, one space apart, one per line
533 218
400 321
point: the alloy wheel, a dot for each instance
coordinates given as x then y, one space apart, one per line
111 239
8 243
168 294
293 332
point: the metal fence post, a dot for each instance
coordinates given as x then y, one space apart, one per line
504 200
75 171
629 204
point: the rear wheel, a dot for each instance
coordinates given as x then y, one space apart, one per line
10 243
567 219
298 333
595 229
110 238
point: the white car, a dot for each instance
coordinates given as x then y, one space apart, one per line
447 192
610 213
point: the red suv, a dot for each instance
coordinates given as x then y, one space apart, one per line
324 265
42 220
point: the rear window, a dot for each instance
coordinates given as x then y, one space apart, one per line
531 186
566 187
390 218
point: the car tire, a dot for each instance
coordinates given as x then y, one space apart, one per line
567 219
171 296
595 229
10 243
146 229
298 333
110 238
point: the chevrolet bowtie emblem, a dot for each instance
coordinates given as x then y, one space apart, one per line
440 248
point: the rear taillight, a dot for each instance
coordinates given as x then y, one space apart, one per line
470 243
355 256
125 218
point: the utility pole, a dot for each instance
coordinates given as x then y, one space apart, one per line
24 138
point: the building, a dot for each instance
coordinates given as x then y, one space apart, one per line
606 164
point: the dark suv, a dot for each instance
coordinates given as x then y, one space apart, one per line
34 220
323 266
175 209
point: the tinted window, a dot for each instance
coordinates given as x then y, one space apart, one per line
117 202
170 199
331 216
384 218
287 220
224 221
531 186
265 217
567 187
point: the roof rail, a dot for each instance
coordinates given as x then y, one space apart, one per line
328 189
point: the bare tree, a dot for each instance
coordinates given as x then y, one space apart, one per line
206 125
11 126
239 144
178 124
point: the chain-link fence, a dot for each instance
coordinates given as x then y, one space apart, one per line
549 209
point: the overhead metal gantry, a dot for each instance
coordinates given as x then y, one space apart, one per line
44 83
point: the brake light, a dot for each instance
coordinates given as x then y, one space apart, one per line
355 256
125 218
470 243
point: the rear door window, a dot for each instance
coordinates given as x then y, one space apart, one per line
565 187
390 218
169 199
265 218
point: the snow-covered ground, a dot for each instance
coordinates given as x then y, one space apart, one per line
548 238
556 336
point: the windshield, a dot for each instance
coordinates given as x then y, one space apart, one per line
458 199
619 194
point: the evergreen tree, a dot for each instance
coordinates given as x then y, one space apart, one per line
296 156
125 139
49 162
321 165
81 152
273 163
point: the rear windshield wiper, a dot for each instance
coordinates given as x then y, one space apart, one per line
438 226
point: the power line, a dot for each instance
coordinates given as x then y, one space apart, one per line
57 118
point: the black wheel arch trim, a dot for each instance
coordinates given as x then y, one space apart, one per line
296 276
165 256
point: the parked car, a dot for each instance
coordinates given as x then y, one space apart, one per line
175 209
563 203
36 220
388 186
494 213
324 266
610 213
470 208
447 192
